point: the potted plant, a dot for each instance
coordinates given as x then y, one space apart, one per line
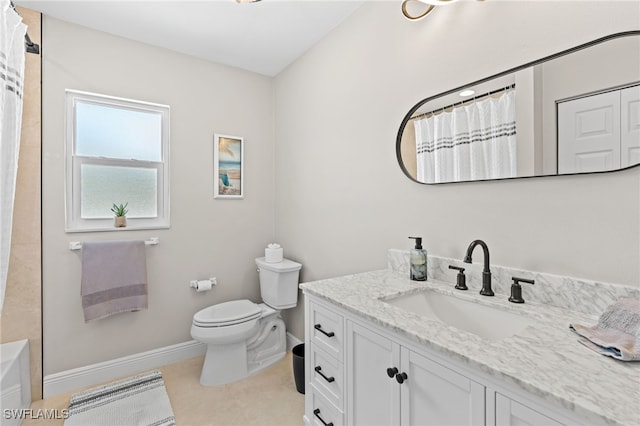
120 212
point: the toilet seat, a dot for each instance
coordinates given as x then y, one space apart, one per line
227 314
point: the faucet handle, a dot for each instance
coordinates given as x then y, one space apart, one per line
516 289
461 283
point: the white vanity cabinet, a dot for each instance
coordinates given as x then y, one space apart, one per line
389 384
373 398
512 413
324 360
437 395
354 368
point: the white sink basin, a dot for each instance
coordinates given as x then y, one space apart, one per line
485 321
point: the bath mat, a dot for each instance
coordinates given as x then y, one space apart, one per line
135 401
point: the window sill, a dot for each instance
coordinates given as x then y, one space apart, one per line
129 227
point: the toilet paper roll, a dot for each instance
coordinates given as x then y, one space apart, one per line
203 285
273 255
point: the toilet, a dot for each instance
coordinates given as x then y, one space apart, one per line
244 337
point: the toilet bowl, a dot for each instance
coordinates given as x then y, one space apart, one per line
228 322
244 337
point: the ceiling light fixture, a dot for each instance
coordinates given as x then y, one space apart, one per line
467 92
418 9
247 1
438 2
415 9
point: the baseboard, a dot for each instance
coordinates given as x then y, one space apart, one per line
292 341
91 375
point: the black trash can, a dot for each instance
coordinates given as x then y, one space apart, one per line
298 366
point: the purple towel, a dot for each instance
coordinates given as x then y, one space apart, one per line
617 333
114 278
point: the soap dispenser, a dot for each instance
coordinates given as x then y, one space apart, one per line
418 261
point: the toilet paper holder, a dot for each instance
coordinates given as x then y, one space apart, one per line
194 283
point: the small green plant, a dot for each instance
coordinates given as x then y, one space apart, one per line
120 210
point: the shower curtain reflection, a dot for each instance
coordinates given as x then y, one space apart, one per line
471 142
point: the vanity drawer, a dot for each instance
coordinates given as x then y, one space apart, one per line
327 376
327 330
322 412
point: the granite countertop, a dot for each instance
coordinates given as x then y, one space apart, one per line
545 359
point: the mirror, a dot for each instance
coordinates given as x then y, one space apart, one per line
574 112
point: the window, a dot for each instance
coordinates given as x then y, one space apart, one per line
117 152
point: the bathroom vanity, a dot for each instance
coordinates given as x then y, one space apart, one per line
377 353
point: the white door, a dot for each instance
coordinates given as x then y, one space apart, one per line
589 134
435 395
512 413
630 126
372 396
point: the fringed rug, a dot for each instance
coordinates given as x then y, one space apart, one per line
136 401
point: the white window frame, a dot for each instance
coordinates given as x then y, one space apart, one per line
74 221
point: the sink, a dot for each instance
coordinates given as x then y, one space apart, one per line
491 323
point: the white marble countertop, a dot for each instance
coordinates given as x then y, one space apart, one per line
545 359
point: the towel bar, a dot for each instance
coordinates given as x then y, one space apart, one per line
77 245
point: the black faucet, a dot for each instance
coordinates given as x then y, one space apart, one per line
486 273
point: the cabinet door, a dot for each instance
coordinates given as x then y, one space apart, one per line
435 395
372 396
512 413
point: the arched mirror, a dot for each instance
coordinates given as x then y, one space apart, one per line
574 112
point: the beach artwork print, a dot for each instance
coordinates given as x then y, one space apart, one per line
228 157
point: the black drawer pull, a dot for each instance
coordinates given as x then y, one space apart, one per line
316 413
328 379
319 328
391 372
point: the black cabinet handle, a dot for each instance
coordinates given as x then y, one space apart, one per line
391 372
328 379
319 328
401 377
316 413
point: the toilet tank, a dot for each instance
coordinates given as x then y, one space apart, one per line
279 283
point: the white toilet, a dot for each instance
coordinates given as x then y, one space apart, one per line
243 337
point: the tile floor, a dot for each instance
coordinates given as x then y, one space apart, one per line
265 399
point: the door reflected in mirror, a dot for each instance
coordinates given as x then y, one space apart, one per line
574 112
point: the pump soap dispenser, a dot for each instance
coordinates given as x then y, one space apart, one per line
418 261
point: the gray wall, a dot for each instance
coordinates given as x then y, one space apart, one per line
208 237
341 199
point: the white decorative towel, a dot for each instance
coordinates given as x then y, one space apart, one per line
618 331
114 278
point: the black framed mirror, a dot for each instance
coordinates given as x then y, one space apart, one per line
574 112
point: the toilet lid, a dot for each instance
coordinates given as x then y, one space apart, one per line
228 313
285 265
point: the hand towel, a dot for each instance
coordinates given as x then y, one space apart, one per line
617 333
114 278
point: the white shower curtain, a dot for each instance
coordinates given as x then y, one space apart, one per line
472 142
12 56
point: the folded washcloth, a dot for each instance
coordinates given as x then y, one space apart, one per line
618 331
114 278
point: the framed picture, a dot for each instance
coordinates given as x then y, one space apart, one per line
228 166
